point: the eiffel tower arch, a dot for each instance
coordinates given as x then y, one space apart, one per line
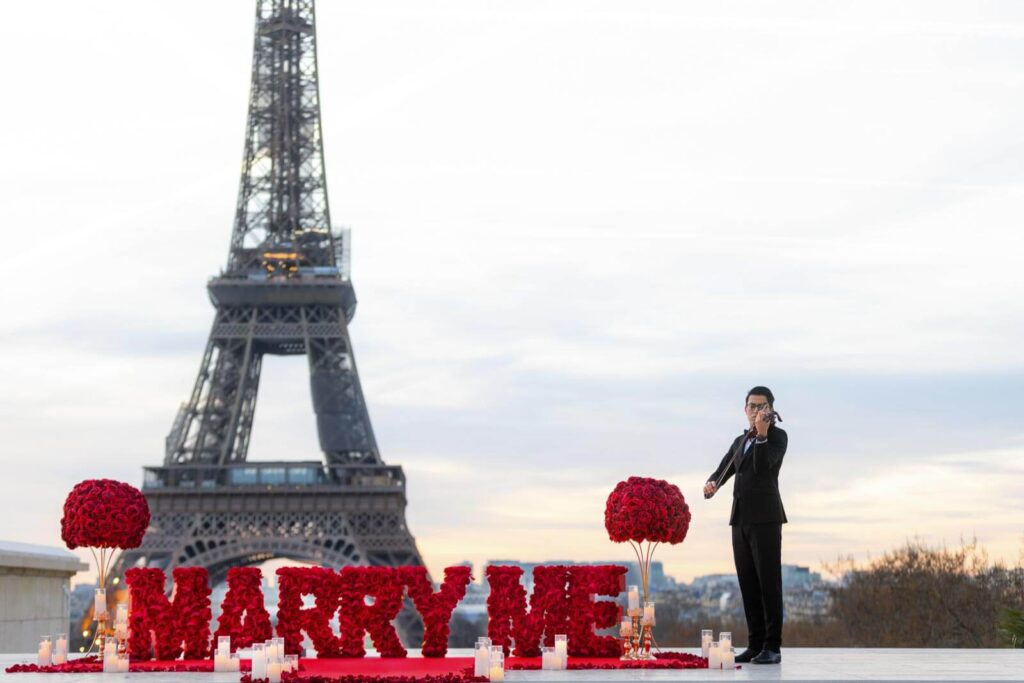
284 291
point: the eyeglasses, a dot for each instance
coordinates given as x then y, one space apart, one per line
757 407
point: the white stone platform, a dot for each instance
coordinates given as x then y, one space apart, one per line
798 664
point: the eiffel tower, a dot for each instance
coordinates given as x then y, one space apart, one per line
285 291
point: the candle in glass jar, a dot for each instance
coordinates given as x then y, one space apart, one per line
481 659
110 657
715 656
45 654
274 672
60 652
648 618
705 642
100 604
633 605
626 627
728 658
496 673
259 661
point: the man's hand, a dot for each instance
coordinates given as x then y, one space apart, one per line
761 424
710 489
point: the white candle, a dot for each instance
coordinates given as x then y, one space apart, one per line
100 604
122 665
634 600
496 673
725 640
259 662
626 627
715 656
274 672
562 646
728 659
62 645
705 643
234 663
482 661
110 657
44 654
648 614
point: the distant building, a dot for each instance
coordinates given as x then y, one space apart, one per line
659 580
805 594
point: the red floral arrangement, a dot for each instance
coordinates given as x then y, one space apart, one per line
506 601
244 617
292 619
356 618
587 614
642 509
103 513
436 608
169 628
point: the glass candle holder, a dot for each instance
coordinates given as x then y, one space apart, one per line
706 636
648 615
633 601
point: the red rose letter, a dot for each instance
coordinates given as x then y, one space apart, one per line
385 587
436 608
243 615
292 619
506 608
586 614
169 625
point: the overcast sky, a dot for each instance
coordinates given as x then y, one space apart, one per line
581 231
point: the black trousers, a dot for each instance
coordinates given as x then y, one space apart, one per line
757 550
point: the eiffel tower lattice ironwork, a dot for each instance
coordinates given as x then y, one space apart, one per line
285 291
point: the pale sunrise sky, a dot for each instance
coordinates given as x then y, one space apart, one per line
582 230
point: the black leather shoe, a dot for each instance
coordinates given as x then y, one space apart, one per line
747 655
767 657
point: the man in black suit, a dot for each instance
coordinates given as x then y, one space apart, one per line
755 457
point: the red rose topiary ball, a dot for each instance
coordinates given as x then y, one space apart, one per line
103 513
642 509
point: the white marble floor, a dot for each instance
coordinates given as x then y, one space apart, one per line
798 664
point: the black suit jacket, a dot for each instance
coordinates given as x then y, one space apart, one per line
755 493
